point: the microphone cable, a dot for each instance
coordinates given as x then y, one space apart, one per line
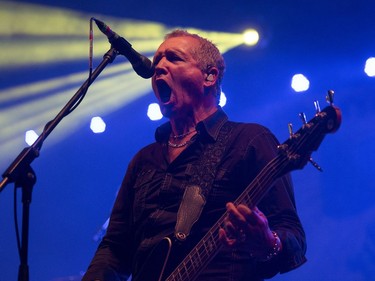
91 48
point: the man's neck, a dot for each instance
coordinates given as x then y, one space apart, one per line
184 124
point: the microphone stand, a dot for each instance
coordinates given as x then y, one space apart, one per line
21 173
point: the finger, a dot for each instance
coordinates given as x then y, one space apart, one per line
235 217
230 229
242 216
259 213
225 239
245 211
252 216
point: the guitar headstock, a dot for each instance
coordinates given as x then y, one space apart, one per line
298 148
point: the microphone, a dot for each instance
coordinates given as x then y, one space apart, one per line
141 64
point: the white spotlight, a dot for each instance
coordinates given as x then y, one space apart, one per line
97 125
251 37
300 83
153 112
30 137
223 99
370 67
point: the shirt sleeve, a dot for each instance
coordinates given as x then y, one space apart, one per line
113 258
280 208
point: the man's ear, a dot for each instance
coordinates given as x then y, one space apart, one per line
211 77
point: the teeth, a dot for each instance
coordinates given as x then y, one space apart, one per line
164 91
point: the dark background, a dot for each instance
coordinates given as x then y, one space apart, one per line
328 41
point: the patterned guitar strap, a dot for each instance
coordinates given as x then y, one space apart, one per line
202 178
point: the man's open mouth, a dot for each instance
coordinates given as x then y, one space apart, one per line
164 90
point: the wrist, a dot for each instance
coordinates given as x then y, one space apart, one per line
272 252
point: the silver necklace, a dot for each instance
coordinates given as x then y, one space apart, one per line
175 137
177 145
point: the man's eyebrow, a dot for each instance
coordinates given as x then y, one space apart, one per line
170 51
174 51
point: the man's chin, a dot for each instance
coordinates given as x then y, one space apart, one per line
166 111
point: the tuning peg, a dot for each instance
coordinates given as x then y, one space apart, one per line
290 129
317 106
303 118
315 165
329 96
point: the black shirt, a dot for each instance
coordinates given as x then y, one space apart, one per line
148 201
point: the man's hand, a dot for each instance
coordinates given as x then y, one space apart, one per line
249 228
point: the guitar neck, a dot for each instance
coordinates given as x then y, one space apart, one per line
210 244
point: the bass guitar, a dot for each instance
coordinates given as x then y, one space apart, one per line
293 154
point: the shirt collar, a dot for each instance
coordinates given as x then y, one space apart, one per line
209 127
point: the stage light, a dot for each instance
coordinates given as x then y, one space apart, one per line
97 125
370 67
251 37
223 40
153 112
300 83
30 137
223 99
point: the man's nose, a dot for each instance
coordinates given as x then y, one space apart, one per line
161 67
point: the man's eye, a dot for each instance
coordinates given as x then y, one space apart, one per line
174 58
156 61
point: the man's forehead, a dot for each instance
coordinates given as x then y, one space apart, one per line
179 43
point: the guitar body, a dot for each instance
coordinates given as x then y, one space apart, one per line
154 268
